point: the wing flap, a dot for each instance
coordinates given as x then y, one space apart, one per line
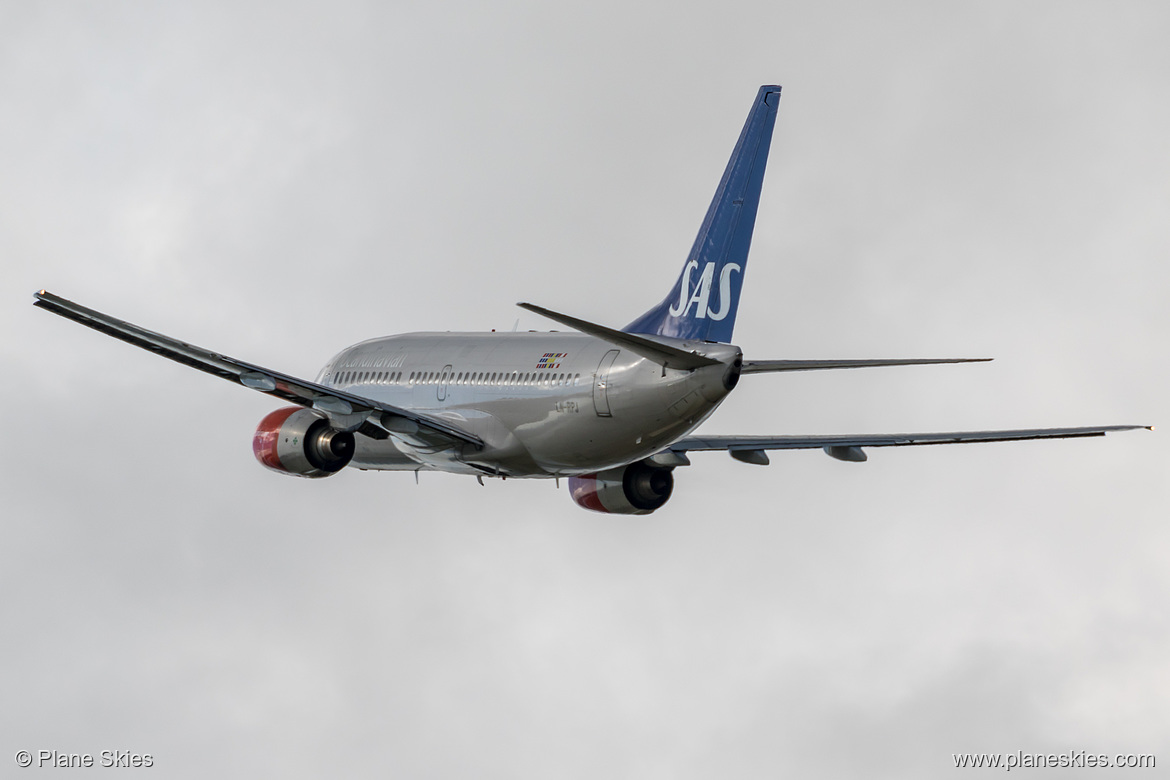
330 401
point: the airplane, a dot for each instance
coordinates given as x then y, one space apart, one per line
613 411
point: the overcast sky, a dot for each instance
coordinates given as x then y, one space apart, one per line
278 180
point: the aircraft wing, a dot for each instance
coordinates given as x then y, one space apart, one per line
751 449
345 410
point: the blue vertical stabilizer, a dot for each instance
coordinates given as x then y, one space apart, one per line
704 300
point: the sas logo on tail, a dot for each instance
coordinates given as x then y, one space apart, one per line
702 292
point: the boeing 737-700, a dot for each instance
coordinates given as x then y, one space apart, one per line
611 410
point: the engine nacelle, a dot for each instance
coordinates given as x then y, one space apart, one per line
636 489
300 442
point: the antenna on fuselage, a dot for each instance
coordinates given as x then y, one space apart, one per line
516 325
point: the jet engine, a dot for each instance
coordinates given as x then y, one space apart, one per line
300 442
636 489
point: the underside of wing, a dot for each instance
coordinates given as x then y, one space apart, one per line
345 411
751 449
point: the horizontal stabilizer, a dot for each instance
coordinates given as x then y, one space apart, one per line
662 354
770 366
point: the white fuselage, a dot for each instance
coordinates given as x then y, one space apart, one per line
545 404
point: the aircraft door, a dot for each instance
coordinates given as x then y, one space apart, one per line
601 384
444 378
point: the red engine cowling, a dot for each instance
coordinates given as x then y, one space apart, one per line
636 489
300 442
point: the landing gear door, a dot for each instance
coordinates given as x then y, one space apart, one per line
601 384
